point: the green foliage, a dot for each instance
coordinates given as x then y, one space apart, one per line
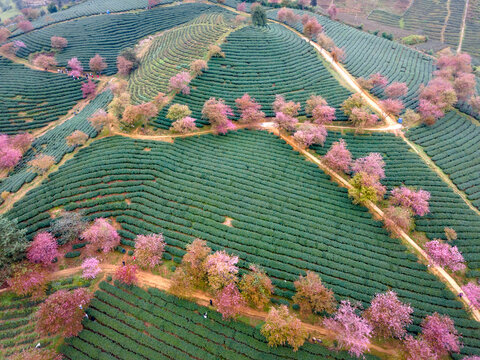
259 17
414 39
13 243
177 112
361 193
52 8
72 254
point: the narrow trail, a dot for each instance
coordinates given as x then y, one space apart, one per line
376 211
462 30
444 27
148 279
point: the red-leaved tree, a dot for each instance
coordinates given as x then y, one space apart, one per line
281 328
62 312
312 296
126 274
28 279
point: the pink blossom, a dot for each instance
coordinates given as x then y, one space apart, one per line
361 117
289 108
445 255
242 6
339 157
323 114
378 79
351 331
9 157
221 269
249 109
184 125
372 164
417 201
472 291
396 90
417 349
392 106
101 235
91 268
149 249
332 11
179 83
89 88
218 113
229 301
429 111
464 85
440 333
21 141
43 249
285 122
309 134
388 316
75 65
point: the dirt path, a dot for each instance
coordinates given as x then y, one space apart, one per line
148 279
462 31
444 27
377 212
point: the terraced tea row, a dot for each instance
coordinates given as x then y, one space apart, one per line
136 324
367 54
172 52
17 322
53 143
287 215
405 167
107 35
92 7
30 99
262 62
453 144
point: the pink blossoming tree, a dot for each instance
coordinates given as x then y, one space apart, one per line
221 269
218 113
249 109
440 333
179 83
285 122
372 164
126 274
228 301
89 89
388 316
339 157
184 125
472 291
396 90
445 255
416 200
149 250
281 328
101 235
43 250
392 106
312 296
352 332
378 79
75 66
309 134
90 268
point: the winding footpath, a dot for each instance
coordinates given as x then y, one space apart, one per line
462 30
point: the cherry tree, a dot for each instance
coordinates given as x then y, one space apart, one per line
287 16
366 84
309 134
429 111
221 269
62 312
44 249
352 332
76 138
285 122
332 12
4 34
41 163
339 158
179 83
445 255
256 287
392 106
90 268
149 250
75 66
388 316
249 109
58 43
218 113
312 28
228 301
397 216
46 62
361 117
281 328
378 79
160 100
464 85
313 102
21 142
312 296
440 333
289 108
396 90
135 115
325 42
28 280
472 291
242 6
97 63
124 65
194 260
215 51
126 274
417 349
366 187
198 66
371 164
37 354
416 200
89 89
25 26
9 157
338 54
101 235
323 115
184 125
100 119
